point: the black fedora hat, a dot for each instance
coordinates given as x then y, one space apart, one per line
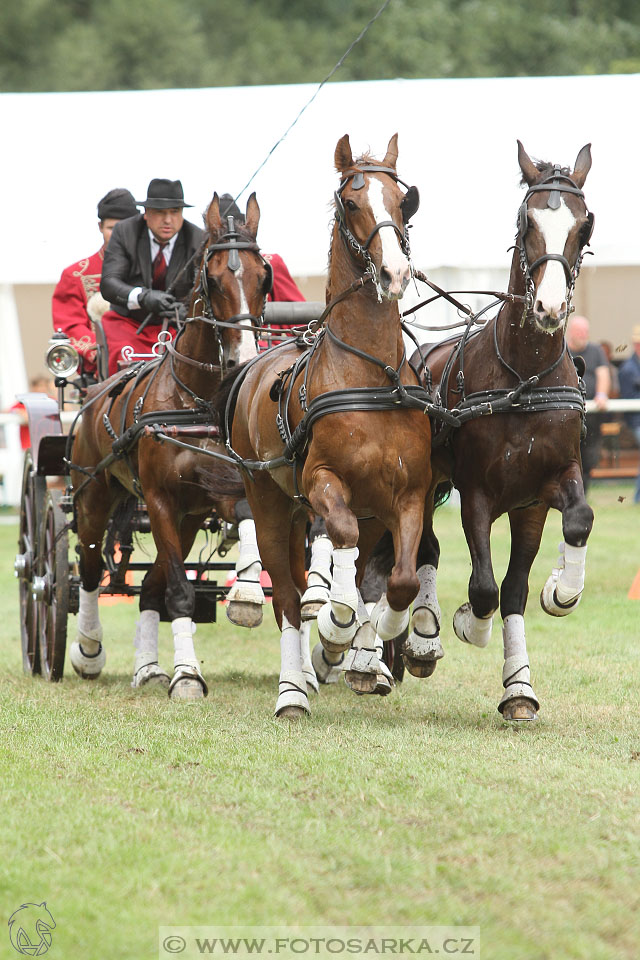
164 194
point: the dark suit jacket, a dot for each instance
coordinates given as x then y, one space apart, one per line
127 263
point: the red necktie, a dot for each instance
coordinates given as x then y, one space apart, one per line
159 269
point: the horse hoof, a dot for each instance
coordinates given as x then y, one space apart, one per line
520 708
291 713
150 675
244 614
361 682
311 680
310 611
87 666
187 690
550 603
332 647
419 668
325 671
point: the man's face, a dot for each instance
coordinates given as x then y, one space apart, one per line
105 227
164 223
578 333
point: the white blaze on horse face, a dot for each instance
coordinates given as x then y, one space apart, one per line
394 263
245 348
551 295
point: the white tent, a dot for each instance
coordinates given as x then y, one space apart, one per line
457 141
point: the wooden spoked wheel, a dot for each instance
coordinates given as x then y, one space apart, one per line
31 501
51 587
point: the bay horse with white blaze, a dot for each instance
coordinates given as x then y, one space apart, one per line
115 458
324 428
517 451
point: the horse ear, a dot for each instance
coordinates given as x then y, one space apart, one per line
343 158
583 165
392 153
212 216
529 170
253 216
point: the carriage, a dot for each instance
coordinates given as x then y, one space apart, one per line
45 565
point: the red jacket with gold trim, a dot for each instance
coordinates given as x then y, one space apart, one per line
69 304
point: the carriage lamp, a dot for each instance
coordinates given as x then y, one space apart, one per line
61 358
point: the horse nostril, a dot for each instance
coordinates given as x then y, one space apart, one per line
231 363
385 277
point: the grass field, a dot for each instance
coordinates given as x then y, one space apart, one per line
126 812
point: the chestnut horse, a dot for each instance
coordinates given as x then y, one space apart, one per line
519 450
225 309
324 428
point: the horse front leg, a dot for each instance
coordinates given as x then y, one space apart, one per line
562 592
337 618
422 648
473 621
246 596
519 702
187 682
147 670
93 505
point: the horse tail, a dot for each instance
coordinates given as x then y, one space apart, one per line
221 480
442 493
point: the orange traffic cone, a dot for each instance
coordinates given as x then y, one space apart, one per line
107 599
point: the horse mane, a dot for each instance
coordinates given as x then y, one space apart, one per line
222 397
546 169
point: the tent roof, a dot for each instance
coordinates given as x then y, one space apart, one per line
457 142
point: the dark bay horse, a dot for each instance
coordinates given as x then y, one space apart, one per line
225 310
519 451
329 422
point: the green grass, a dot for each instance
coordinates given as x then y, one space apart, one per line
125 811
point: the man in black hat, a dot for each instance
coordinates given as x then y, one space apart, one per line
77 293
148 270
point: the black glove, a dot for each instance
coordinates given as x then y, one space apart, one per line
157 301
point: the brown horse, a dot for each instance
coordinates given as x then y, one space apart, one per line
519 450
226 304
328 425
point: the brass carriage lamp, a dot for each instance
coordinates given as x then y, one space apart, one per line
61 358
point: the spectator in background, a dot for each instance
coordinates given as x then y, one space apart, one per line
76 298
597 381
629 375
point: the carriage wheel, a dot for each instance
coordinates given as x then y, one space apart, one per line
51 587
31 501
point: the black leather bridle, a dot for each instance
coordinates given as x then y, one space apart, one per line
556 183
410 204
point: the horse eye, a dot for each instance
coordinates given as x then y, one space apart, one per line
350 205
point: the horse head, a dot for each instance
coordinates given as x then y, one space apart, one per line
372 212
235 279
554 225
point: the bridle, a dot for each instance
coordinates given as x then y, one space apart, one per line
409 203
233 242
556 183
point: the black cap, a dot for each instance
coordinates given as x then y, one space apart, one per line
164 194
229 208
118 204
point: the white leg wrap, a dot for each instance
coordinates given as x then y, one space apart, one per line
89 629
562 592
516 678
472 629
248 555
305 652
146 669
292 687
337 620
319 576
327 665
184 653
388 623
